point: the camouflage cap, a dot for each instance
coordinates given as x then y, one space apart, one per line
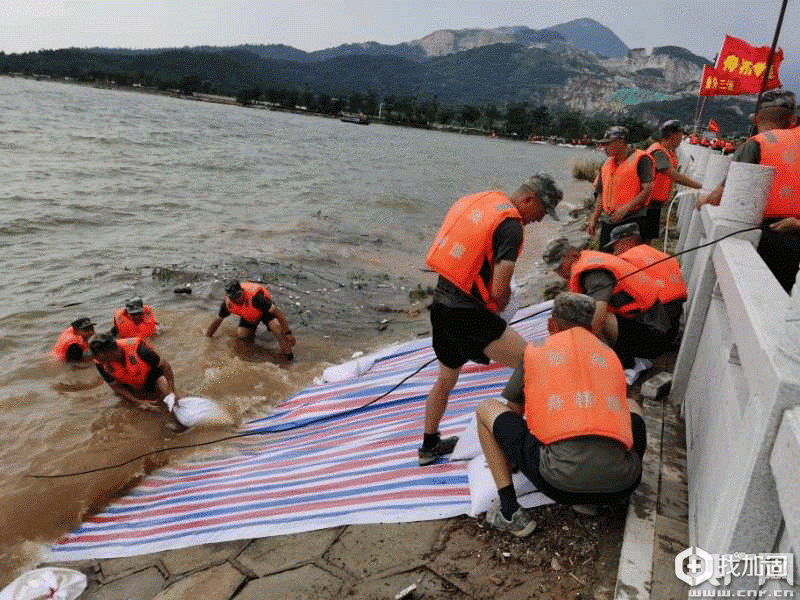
574 308
617 132
555 251
101 342
777 99
82 323
620 232
669 127
134 306
546 190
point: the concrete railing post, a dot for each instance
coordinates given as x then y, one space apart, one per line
715 173
790 341
742 205
784 459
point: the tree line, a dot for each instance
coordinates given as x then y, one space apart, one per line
516 119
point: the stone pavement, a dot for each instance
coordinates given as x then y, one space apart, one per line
360 561
440 557
656 528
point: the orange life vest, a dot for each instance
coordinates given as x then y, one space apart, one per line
65 340
780 148
575 386
127 328
132 371
667 274
245 309
662 184
641 287
621 182
464 241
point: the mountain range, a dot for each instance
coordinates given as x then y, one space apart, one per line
580 65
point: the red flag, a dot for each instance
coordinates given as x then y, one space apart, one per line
716 83
713 126
740 60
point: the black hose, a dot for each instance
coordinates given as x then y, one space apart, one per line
351 410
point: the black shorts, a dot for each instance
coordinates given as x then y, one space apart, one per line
461 334
252 326
651 227
637 339
522 449
781 253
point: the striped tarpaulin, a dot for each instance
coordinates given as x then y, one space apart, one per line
320 459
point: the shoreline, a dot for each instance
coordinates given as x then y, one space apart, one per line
261 105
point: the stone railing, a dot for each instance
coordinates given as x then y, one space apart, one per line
737 374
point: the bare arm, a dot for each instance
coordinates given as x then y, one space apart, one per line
682 179
501 282
169 375
122 391
284 324
599 318
713 198
787 224
212 329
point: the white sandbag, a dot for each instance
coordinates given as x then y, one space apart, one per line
194 410
52 582
483 491
353 368
468 445
513 303
361 363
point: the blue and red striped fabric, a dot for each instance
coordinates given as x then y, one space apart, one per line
321 459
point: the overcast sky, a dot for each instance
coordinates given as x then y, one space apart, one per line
698 25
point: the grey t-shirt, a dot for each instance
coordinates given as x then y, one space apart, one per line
506 244
662 161
748 152
586 464
599 283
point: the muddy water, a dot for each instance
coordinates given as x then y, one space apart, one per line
109 194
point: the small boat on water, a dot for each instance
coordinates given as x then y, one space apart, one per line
358 119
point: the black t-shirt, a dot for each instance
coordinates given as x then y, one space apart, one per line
260 301
147 355
506 243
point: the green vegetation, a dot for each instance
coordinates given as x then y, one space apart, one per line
586 170
505 89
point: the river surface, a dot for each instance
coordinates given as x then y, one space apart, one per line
108 194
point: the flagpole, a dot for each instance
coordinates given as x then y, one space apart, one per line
771 56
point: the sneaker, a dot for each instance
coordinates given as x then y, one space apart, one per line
520 524
640 365
586 509
428 456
